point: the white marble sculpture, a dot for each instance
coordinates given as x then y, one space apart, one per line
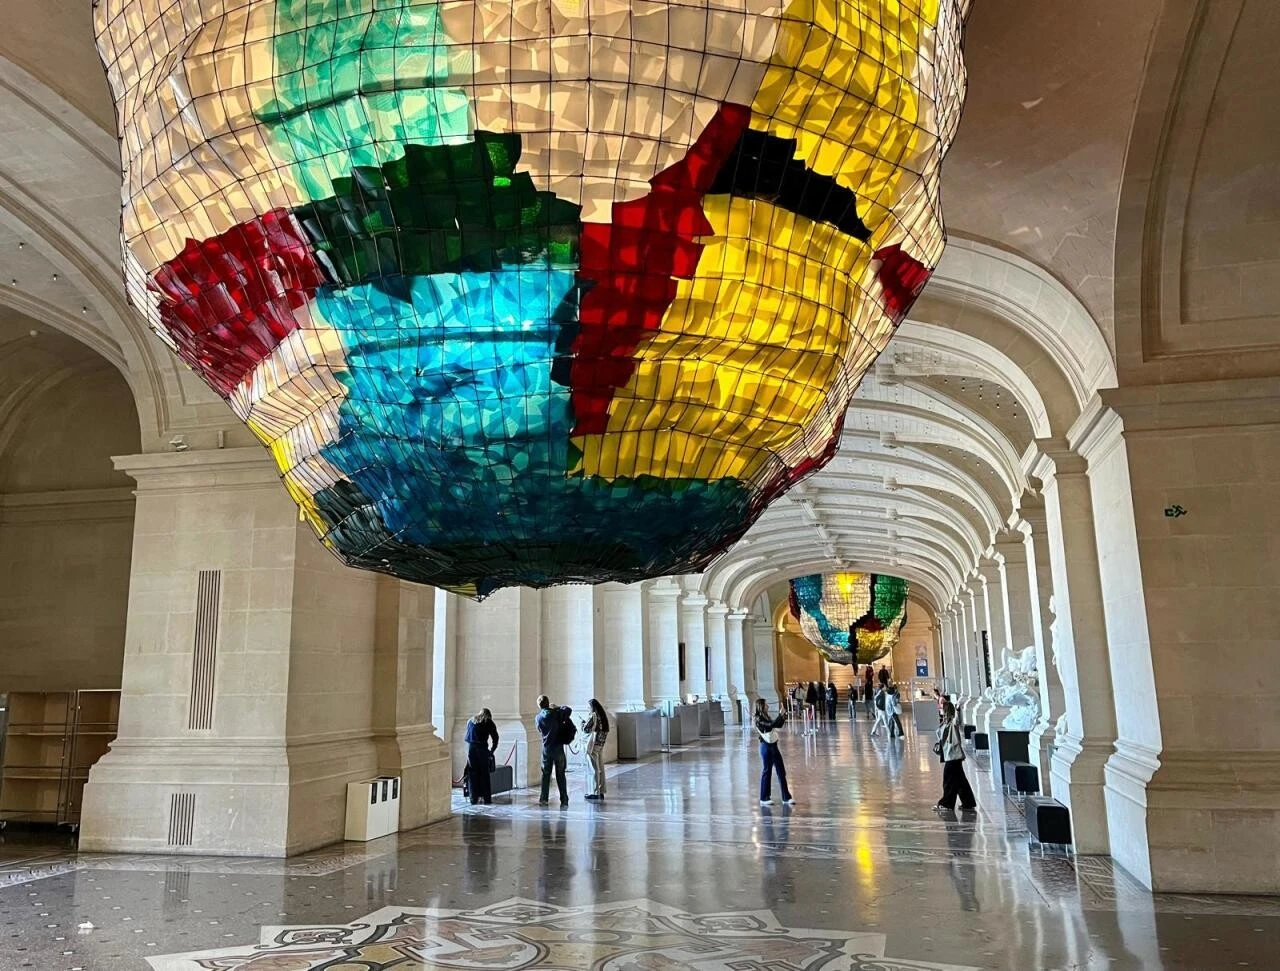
1016 689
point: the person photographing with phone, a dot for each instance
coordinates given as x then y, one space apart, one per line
767 728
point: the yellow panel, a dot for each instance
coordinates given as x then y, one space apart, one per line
747 353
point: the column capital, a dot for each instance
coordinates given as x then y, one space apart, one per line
1050 458
694 599
740 614
230 467
716 607
663 589
989 570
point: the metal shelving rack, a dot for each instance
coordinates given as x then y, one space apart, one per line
51 740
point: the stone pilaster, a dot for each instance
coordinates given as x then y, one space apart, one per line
1034 529
249 698
739 686
1080 640
406 741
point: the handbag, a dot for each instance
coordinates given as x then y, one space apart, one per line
493 764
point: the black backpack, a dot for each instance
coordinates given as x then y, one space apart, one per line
880 699
566 730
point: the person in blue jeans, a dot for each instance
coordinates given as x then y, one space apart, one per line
548 723
767 728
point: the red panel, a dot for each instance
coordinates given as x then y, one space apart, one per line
632 264
902 277
228 301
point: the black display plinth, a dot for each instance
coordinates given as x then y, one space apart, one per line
981 743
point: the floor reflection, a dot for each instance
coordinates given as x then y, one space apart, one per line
860 874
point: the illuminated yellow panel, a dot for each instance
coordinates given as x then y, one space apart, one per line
747 353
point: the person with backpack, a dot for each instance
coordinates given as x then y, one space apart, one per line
881 721
597 731
831 701
555 725
767 728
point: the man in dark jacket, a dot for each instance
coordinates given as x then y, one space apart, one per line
549 723
811 697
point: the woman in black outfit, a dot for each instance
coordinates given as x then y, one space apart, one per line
481 733
767 728
950 748
831 701
811 698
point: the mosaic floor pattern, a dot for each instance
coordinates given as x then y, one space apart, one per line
517 934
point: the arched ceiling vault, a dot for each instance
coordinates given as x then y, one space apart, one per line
929 469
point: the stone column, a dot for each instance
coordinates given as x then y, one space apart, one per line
717 643
248 692
1034 529
569 646
995 609
762 649
623 627
664 641
739 686
405 739
499 667
1080 640
693 634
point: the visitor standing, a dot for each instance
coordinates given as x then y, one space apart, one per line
893 711
880 721
556 727
883 677
853 700
597 731
482 742
811 698
771 758
831 701
949 747
868 692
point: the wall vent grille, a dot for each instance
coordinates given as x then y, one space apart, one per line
182 818
205 650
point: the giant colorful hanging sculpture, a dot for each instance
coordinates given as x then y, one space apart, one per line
850 617
531 291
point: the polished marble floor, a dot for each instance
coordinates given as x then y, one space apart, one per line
679 868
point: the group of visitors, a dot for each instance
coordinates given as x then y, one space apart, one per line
556 726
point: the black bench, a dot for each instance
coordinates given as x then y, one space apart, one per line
1048 820
968 731
1021 776
981 742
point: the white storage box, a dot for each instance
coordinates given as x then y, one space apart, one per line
373 808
